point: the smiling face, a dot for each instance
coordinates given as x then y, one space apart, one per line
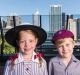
27 42
65 47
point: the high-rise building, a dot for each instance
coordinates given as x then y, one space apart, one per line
13 19
55 18
36 18
72 25
68 17
78 29
63 21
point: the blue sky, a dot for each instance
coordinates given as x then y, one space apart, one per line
27 7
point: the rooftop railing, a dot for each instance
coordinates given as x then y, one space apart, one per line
44 21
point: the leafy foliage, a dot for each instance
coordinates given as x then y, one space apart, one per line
8 49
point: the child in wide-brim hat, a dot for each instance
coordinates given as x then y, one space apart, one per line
65 62
28 61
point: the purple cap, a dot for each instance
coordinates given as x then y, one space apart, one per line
62 34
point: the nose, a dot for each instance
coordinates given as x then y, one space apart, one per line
64 48
26 43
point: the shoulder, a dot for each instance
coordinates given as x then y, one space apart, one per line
75 59
44 61
8 62
12 58
54 59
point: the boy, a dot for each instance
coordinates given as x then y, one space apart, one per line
65 63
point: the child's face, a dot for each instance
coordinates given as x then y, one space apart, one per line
65 47
27 42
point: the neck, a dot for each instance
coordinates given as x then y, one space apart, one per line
66 61
27 57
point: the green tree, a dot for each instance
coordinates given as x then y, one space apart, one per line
8 49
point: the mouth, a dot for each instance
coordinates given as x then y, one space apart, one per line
65 52
26 49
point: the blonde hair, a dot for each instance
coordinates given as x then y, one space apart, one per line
29 31
60 41
40 58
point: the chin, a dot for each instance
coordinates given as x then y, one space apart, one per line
28 52
65 56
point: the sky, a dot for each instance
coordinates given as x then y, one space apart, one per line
28 7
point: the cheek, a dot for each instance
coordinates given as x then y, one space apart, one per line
60 51
33 45
71 48
21 46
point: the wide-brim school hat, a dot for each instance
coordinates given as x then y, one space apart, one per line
61 34
12 33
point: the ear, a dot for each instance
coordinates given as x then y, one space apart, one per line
74 43
17 42
36 41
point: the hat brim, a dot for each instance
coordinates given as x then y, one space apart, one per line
11 34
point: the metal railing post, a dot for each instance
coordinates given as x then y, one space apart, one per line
2 37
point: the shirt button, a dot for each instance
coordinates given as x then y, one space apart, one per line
27 69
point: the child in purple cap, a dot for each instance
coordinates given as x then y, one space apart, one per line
65 63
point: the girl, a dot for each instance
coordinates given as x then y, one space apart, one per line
65 63
27 61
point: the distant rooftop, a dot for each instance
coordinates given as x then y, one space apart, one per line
55 5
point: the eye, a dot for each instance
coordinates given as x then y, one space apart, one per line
59 46
67 45
21 41
30 40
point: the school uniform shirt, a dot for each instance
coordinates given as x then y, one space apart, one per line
57 67
22 67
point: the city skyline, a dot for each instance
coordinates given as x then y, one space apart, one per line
27 7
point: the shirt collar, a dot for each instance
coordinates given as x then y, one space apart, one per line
73 59
21 59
